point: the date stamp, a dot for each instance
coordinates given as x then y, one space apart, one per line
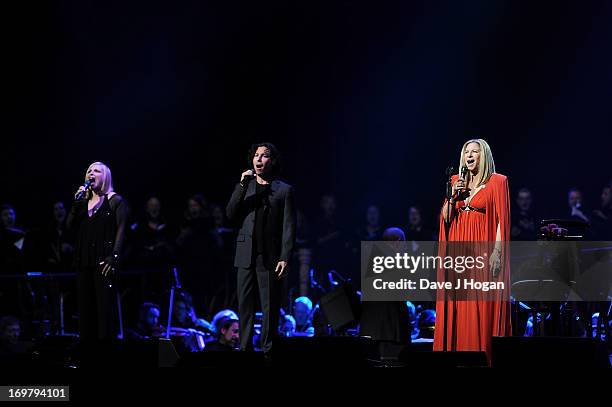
34 393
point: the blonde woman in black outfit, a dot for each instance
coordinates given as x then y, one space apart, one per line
98 219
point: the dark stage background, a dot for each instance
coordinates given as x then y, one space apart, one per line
371 101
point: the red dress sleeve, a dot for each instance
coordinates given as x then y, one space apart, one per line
443 231
502 325
502 207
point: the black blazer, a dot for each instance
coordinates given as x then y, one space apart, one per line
279 230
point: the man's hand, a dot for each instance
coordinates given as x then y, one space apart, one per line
281 269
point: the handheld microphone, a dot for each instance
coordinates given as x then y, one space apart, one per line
464 172
86 186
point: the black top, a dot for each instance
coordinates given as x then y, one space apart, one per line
262 196
279 221
524 225
151 247
100 236
419 234
11 258
602 224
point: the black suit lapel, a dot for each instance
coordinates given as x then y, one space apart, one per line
274 187
250 189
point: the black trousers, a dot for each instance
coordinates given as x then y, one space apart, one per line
97 306
250 280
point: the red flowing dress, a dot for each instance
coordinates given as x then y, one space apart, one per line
472 323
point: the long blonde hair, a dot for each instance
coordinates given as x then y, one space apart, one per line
107 184
486 167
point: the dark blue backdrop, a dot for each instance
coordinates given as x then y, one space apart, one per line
369 100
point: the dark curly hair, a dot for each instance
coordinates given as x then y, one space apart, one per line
274 156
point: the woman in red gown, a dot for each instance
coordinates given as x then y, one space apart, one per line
479 212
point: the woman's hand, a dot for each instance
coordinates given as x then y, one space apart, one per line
458 186
107 270
109 265
495 262
79 191
460 190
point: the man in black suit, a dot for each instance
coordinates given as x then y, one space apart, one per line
263 208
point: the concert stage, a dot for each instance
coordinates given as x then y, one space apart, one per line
340 352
